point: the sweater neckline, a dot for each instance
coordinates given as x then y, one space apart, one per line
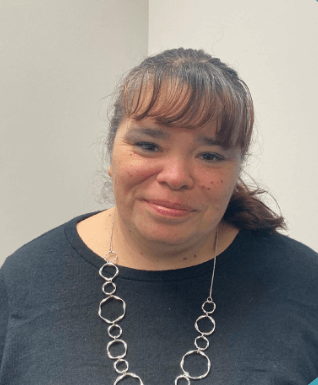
84 252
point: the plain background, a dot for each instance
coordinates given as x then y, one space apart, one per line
59 60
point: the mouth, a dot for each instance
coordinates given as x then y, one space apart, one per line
170 205
170 209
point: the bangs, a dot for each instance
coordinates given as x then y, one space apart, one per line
189 95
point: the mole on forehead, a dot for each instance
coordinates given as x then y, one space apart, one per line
157 133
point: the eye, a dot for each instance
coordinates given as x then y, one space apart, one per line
212 157
146 146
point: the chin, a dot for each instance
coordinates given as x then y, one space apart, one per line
165 234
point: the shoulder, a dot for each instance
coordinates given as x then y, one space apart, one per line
283 248
42 253
280 262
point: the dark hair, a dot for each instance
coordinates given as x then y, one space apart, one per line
188 88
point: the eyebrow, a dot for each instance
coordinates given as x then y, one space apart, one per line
153 132
209 141
159 134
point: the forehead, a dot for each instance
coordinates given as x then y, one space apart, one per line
148 127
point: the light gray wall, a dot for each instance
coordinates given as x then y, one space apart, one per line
274 46
58 60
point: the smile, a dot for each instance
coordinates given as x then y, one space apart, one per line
170 209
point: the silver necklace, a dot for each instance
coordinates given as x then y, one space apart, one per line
115 331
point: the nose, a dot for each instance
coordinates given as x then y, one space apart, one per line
176 173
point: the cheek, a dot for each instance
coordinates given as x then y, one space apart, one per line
130 171
220 185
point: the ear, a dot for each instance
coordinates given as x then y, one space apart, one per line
110 171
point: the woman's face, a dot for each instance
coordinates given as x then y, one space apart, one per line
171 185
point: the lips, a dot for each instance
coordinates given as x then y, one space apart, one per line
170 205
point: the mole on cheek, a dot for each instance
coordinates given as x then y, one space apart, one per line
221 180
209 188
194 256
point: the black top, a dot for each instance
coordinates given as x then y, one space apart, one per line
265 288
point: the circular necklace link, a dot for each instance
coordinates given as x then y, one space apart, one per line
110 265
103 302
119 356
110 330
120 361
202 337
110 259
189 354
109 283
206 303
201 318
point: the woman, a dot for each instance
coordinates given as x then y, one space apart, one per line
197 283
